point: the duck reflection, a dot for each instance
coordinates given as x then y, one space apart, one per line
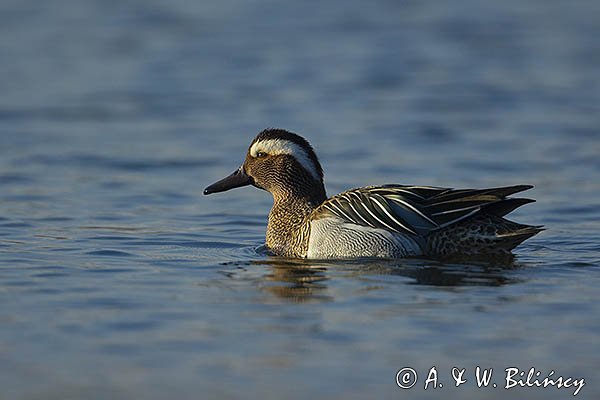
298 282
302 281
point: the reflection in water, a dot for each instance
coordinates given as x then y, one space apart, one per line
305 280
455 275
298 283
293 280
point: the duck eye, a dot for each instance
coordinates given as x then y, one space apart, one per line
261 154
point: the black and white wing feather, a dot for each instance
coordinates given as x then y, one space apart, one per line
417 210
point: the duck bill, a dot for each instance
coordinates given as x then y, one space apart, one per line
237 179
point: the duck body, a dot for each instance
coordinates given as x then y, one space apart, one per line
389 221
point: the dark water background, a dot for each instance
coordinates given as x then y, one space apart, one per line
119 280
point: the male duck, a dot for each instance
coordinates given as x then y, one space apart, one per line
388 221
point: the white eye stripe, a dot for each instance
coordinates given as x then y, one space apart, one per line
280 146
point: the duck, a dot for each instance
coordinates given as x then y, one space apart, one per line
386 221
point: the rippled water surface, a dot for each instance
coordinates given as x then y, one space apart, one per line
119 280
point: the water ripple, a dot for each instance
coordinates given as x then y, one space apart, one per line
110 253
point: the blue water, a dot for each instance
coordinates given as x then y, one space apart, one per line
119 280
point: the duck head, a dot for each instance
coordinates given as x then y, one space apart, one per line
281 163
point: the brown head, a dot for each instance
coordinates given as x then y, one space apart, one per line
281 163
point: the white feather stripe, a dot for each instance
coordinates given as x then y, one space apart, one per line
359 215
364 206
281 146
390 216
460 219
332 205
386 192
413 208
338 211
410 193
476 207
379 220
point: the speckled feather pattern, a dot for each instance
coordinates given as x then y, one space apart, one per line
480 234
288 229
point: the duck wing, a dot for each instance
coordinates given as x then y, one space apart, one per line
418 210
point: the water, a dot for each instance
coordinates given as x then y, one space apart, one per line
118 279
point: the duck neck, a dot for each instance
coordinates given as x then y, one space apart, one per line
289 226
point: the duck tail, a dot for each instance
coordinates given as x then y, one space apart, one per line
481 234
512 239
